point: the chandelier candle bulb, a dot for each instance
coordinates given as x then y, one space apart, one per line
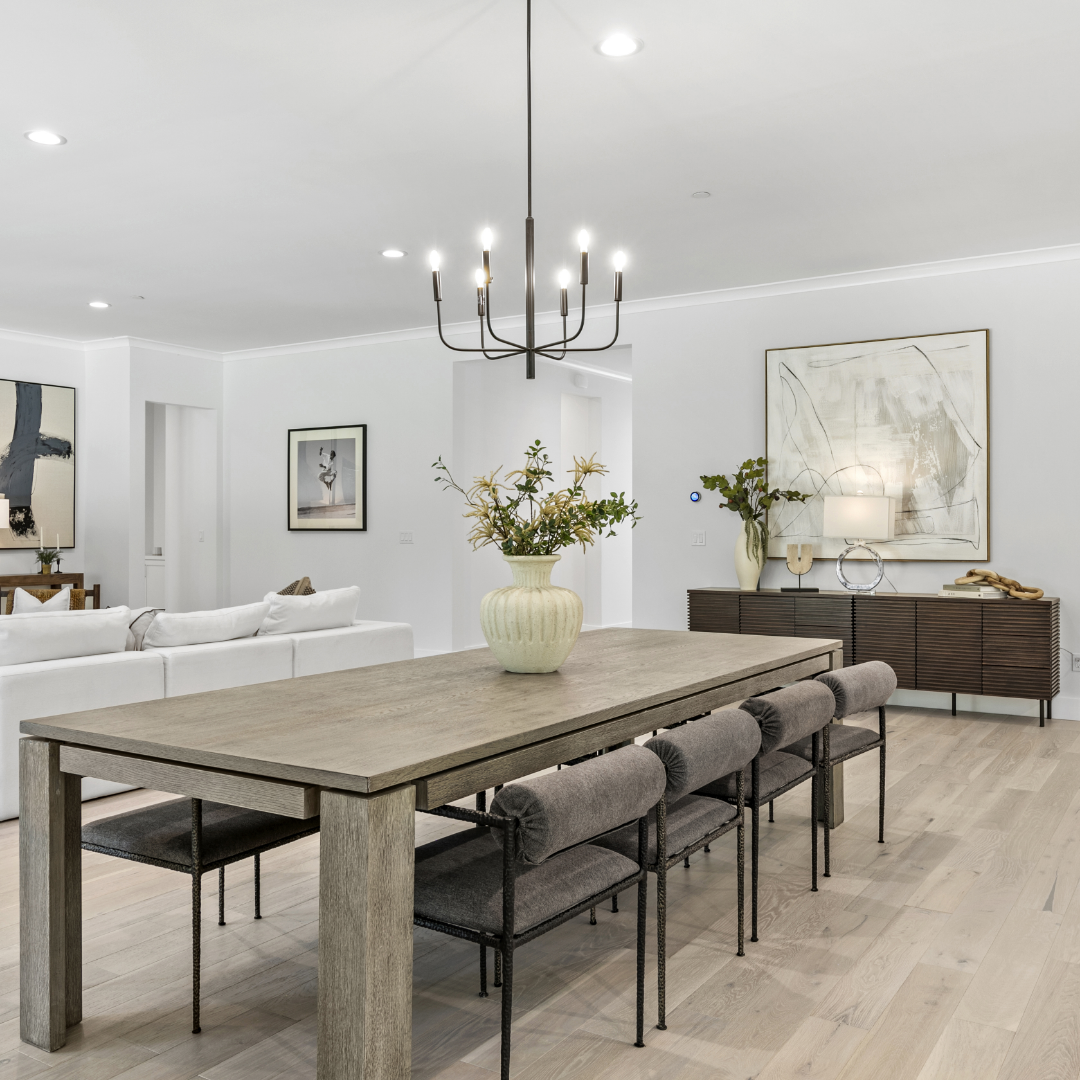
436 277
480 283
485 239
618 286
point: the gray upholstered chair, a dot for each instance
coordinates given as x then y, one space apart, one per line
693 755
194 837
859 689
784 717
530 867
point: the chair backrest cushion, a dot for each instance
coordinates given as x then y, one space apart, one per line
859 688
787 715
700 752
560 809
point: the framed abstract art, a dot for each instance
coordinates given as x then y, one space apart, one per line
37 464
328 479
901 417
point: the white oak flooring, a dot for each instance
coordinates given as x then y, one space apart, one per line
952 952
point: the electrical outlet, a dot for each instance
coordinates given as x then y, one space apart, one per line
202 538
1076 662
404 538
697 539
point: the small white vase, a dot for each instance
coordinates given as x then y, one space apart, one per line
748 569
532 625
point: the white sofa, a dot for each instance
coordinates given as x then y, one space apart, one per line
31 691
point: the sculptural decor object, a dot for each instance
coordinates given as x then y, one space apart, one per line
1004 584
800 557
748 495
532 625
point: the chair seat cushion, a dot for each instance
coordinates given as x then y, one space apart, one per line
842 740
459 881
688 820
778 769
163 831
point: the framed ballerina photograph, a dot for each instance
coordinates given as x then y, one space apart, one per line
328 479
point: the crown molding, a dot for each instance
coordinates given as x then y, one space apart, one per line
853 279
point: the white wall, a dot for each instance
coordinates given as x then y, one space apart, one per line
699 407
404 393
497 413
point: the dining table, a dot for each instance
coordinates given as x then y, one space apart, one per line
362 749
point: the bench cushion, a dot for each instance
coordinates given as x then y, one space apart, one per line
163 831
688 820
843 739
778 769
459 881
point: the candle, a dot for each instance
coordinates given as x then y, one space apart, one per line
58 541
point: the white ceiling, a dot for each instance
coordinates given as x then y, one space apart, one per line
241 163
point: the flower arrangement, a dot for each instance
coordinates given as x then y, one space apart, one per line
749 496
523 518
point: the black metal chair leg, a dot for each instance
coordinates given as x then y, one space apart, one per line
615 904
483 971
196 911
221 896
258 888
826 779
755 786
507 1011
706 849
481 801
498 969
771 817
661 916
954 704
686 863
814 782
592 916
642 909
741 859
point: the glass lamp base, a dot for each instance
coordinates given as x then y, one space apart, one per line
854 586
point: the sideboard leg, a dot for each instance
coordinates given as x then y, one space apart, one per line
1042 713
1049 706
954 704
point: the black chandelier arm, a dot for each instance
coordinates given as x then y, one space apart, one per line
458 348
564 341
601 348
498 356
487 312
551 355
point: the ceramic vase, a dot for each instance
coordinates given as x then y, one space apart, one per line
532 625
747 568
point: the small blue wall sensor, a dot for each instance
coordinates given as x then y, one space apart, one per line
695 496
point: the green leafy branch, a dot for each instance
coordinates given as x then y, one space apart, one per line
523 518
748 495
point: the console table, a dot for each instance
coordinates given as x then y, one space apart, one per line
1002 648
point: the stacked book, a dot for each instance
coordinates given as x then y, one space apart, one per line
973 592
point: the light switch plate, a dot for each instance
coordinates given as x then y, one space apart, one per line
404 538
697 539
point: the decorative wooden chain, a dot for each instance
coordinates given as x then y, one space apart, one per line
1006 585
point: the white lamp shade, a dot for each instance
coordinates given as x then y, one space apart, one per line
5 513
859 517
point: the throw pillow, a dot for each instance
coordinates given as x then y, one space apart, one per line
138 626
26 602
198 627
319 611
57 635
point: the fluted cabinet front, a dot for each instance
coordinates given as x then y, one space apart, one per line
532 625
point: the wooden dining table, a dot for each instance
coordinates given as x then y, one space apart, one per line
363 749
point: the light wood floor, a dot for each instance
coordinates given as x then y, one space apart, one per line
950 953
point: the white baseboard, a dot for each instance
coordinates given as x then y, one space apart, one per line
1064 708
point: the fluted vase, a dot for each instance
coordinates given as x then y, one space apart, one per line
532 625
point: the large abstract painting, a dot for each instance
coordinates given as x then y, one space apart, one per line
327 478
37 464
904 417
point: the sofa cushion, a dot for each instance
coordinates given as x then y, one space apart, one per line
57 635
319 611
199 627
30 691
218 665
359 645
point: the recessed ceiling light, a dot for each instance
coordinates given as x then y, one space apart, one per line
99 304
394 253
46 138
620 44
701 195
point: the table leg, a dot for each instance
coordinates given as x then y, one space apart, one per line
365 935
50 896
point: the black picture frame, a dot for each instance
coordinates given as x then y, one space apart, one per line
309 508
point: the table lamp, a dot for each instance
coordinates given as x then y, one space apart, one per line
868 517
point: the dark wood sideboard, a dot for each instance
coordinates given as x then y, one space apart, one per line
1001 648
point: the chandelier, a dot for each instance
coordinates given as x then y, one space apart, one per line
498 348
